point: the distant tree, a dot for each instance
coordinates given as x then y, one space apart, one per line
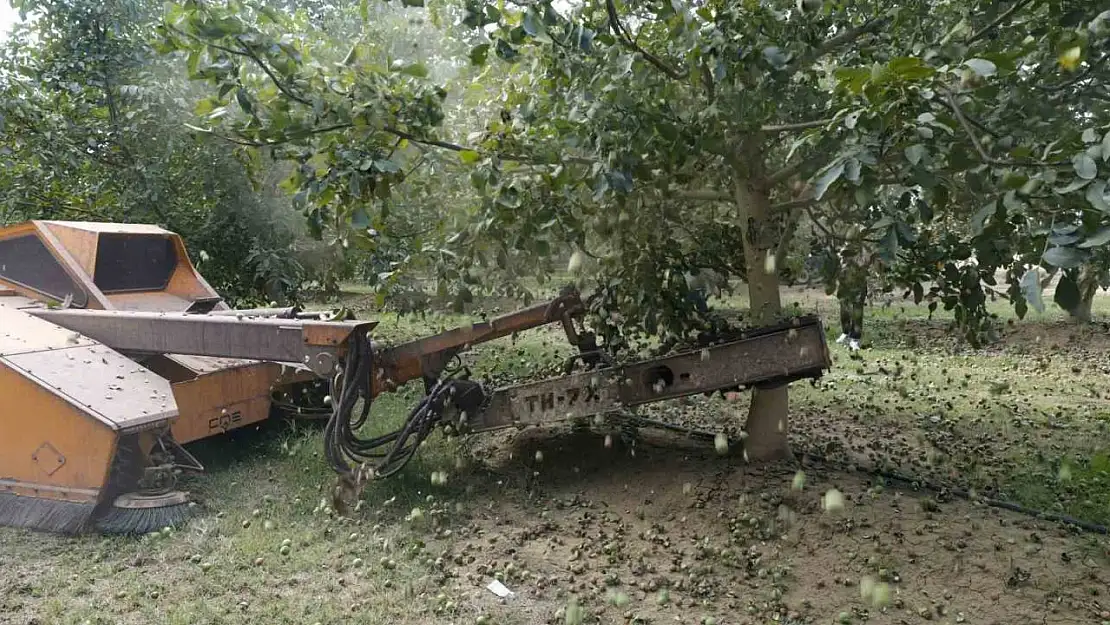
91 131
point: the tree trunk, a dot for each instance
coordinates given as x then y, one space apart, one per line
767 417
1082 312
1088 288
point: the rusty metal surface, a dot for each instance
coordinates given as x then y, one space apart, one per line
22 332
274 340
402 363
102 382
772 358
39 489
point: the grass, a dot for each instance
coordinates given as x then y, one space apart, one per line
1027 419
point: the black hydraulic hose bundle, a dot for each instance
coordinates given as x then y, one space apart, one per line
386 454
349 385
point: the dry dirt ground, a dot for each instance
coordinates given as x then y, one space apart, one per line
741 545
589 528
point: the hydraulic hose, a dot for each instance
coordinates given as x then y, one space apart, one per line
386 454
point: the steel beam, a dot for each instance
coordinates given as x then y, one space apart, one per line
772 358
319 345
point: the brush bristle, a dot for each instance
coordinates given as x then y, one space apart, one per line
143 520
49 515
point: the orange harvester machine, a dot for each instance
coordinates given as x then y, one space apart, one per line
79 420
115 352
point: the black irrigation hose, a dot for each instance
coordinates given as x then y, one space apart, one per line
1094 528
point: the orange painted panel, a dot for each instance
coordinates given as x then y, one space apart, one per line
185 282
49 442
225 400
96 298
81 244
17 230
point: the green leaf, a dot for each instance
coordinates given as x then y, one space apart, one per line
1106 146
1031 289
532 23
979 219
418 70
205 106
364 10
244 102
1096 195
1098 239
853 78
479 54
360 219
413 3
469 157
1067 293
1075 185
915 153
624 63
1085 166
192 61
776 57
910 68
1089 136
852 170
822 184
585 39
1063 257
1063 239
505 51
387 166
983 67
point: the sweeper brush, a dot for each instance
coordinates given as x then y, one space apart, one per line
115 355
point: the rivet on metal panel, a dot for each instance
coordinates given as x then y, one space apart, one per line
48 458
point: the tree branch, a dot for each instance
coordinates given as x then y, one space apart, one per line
401 134
817 123
419 162
706 195
622 34
987 158
710 86
794 204
843 39
816 222
974 122
277 82
1071 81
207 43
795 207
304 134
788 172
998 20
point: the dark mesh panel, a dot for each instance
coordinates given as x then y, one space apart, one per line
128 262
27 262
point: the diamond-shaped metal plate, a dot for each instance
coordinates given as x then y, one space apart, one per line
48 458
